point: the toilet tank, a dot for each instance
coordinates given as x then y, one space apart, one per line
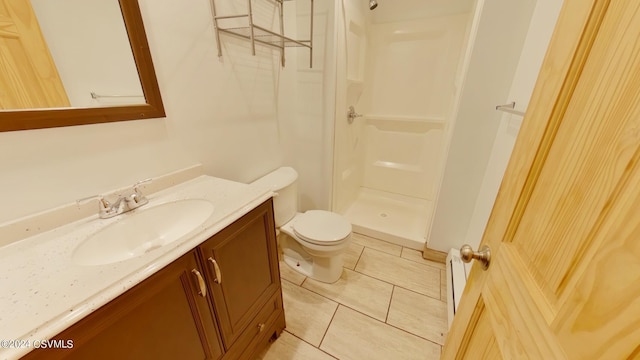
284 182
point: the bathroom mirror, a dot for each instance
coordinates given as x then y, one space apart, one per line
140 98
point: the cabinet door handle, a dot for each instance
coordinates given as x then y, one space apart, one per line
201 283
216 268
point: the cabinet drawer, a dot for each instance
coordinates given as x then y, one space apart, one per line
262 325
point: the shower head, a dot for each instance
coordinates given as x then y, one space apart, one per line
373 4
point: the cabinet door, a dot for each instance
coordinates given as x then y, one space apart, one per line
164 317
242 269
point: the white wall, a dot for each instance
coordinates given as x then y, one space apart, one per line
242 116
311 129
42 169
224 113
498 42
104 64
223 110
477 165
535 45
352 26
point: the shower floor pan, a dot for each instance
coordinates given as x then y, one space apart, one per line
391 217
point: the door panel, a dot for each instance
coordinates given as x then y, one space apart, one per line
29 76
601 315
564 281
482 343
518 310
567 206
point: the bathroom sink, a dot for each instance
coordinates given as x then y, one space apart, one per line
141 231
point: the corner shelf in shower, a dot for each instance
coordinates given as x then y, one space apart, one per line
410 124
258 34
421 119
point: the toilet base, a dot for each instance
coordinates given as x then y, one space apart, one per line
323 269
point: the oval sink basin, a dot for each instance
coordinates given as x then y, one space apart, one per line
139 232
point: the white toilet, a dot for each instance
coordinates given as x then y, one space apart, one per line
312 242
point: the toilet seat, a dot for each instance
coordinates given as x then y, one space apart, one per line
322 227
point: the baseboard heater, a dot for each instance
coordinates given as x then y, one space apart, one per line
456 280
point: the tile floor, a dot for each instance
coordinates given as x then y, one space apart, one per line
388 304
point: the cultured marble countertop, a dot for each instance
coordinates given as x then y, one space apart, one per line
43 292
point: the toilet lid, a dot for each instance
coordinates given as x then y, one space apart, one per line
322 227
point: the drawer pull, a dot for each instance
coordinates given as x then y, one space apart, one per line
201 283
260 327
216 268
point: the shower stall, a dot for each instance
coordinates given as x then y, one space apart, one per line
414 69
400 75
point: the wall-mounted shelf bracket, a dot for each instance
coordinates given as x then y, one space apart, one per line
510 108
261 35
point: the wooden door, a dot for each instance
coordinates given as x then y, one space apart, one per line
242 270
28 76
164 317
564 280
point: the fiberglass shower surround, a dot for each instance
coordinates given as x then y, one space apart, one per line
400 75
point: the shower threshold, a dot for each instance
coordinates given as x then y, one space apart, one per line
398 219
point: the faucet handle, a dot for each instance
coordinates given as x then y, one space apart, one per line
104 207
102 202
137 199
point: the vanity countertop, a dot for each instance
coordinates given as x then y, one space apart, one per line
43 292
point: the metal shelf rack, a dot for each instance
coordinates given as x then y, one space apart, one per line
258 34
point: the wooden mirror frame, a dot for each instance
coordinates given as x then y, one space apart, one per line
39 119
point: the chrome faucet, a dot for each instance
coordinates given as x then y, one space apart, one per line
352 114
123 204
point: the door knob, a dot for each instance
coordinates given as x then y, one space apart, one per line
484 255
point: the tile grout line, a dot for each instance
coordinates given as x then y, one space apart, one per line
424 263
310 344
390 300
384 323
375 278
366 315
369 316
359 257
393 290
291 282
372 277
419 293
341 304
327 329
402 287
380 240
415 262
410 333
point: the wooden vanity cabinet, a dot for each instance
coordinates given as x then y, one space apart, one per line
163 317
229 286
242 272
